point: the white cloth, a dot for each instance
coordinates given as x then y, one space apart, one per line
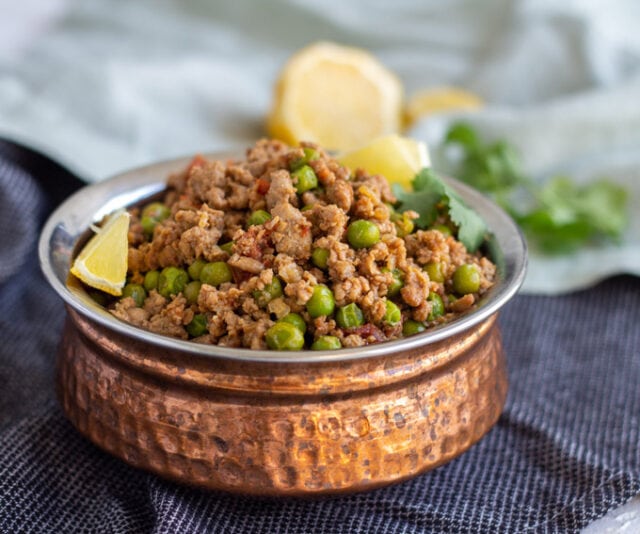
107 85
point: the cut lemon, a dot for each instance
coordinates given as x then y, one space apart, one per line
336 96
396 158
439 100
102 263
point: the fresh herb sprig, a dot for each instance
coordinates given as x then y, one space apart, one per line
431 197
558 216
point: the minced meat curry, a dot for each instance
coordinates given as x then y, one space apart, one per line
288 250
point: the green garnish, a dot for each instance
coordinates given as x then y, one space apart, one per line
558 216
429 193
568 216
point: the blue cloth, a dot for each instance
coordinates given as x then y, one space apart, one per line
565 451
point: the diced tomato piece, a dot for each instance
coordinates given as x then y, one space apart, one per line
262 186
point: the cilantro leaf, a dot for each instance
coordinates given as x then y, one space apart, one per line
558 216
429 192
472 230
569 216
423 202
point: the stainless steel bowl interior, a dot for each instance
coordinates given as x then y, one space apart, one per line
67 224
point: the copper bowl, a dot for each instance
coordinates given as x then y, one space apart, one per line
275 423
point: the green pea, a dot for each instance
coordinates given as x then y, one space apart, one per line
192 290
326 343
272 290
411 327
151 280
443 229
135 291
320 257
396 284
152 214
296 320
466 279
304 179
216 273
227 247
172 280
309 155
258 217
157 211
363 234
195 268
435 271
148 225
392 314
349 316
437 306
321 301
198 325
284 336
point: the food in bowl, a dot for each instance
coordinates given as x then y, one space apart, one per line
288 250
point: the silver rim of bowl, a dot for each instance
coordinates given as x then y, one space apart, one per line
88 205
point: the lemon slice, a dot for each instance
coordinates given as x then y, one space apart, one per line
102 263
339 97
438 100
396 158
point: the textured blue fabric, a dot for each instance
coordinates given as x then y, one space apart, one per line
565 451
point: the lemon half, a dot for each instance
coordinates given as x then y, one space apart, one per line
339 97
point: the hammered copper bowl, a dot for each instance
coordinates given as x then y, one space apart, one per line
274 423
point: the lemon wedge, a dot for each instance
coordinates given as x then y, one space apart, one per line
438 100
396 158
339 97
102 263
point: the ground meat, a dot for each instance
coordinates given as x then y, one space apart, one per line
369 333
342 260
340 193
301 290
291 232
136 259
376 183
154 303
246 264
328 220
172 319
205 181
463 303
368 204
280 190
325 174
127 310
289 271
136 233
252 242
416 287
204 229
276 265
